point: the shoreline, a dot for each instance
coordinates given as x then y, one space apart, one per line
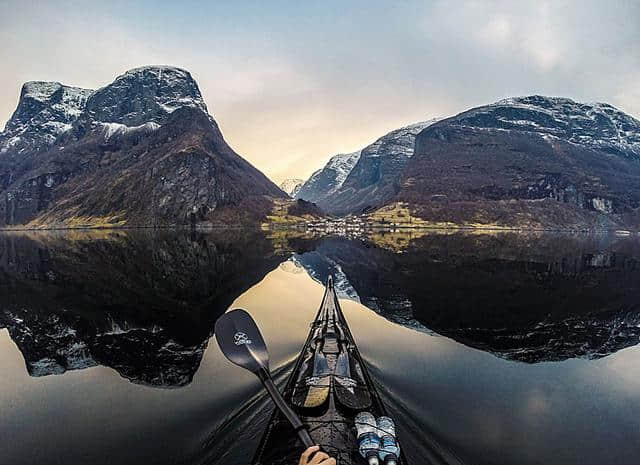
330 228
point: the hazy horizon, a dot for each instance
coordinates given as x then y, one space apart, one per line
291 84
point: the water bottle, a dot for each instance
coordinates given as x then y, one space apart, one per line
389 448
368 439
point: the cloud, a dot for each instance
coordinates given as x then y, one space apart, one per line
293 83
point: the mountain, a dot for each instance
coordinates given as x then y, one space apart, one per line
529 162
366 179
146 94
45 110
140 151
292 186
325 181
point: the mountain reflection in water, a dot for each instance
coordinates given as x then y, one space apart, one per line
526 298
144 303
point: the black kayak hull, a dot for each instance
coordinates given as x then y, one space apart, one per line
330 421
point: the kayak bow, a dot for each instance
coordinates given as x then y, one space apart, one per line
329 385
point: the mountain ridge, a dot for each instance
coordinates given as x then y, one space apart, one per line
595 124
365 179
45 110
328 179
528 162
572 165
147 132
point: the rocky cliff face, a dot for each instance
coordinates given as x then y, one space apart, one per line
140 151
595 125
531 161
324 182
142 95
45 110
366 179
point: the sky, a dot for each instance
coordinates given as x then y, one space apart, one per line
292 83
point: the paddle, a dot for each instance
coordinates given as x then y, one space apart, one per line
241 342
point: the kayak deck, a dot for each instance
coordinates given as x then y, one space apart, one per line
329 385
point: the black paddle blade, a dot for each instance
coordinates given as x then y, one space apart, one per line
241 342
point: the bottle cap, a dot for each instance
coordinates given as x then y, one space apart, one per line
373 460
390 461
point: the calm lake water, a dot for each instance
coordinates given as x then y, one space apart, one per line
486 349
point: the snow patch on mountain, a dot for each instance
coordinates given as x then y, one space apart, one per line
44 112
116 129
596 125
9 143
291 186
70 102
40 90
343 164
145 94
395 148
397 142
329 178
138 100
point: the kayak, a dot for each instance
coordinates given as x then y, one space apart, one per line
328 387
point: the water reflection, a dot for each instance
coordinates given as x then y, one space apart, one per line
122 311
525 298
142 303
145 303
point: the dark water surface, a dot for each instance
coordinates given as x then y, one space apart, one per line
487 349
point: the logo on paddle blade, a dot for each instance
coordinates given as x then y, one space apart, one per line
241 338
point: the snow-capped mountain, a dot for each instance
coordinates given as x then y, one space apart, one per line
146 94
596 125
528 162
373 180
141 150
397 143
291 186
352 182
139 97
45 110
328 179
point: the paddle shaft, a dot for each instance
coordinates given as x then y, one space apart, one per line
293 418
